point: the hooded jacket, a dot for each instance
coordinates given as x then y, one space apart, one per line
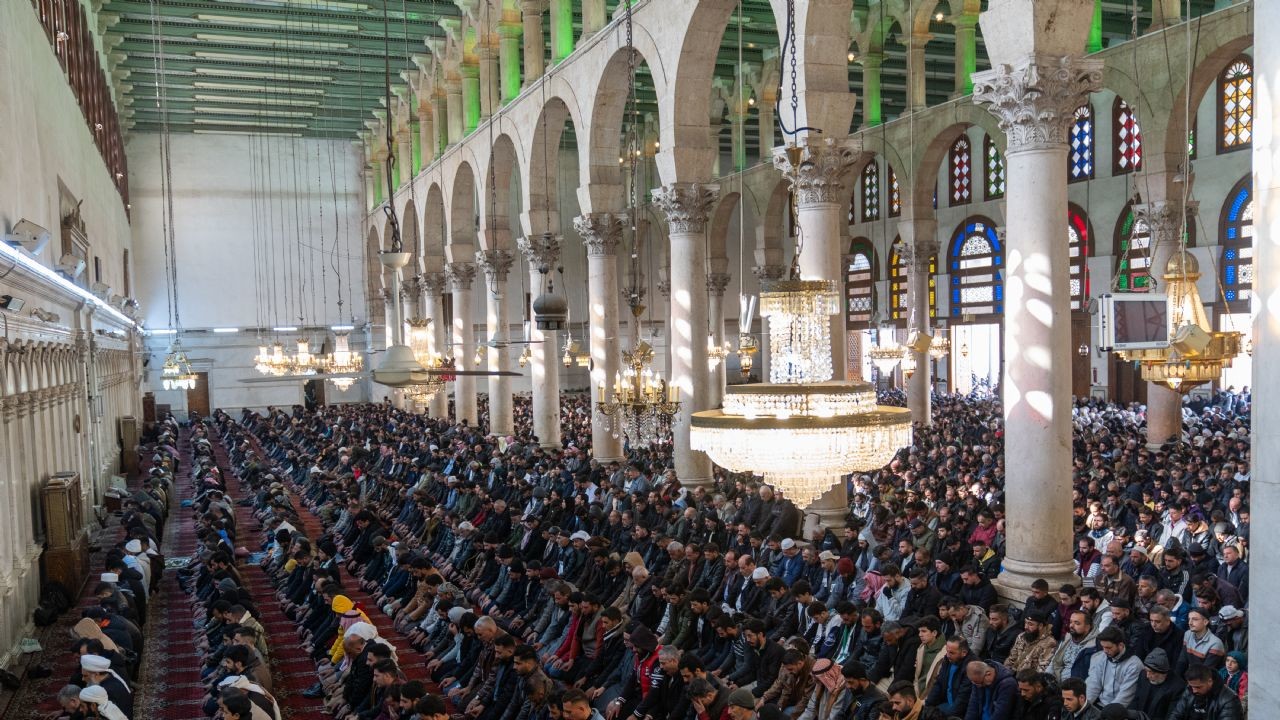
1113 680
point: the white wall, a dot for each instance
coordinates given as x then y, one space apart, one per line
239 259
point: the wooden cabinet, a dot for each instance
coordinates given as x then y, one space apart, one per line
66 554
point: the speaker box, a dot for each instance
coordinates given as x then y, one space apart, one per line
1190 340
919 342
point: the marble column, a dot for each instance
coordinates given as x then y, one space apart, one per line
818 182
534 46
440 118
496 265
602 233
461 275
404 156
916 97
593 17
542 253
687 206
426 133
509 34
919 246
453 109
1264 541
561 30
471 96
664 289
433 286
368 173
966 52
490 94
872 106
1034 101
1167 221
717 284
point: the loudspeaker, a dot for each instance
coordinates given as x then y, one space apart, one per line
1190 340
919 342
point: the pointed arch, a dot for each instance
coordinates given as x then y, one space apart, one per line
1133 252
1235 105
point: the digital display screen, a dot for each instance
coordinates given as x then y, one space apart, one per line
1141 321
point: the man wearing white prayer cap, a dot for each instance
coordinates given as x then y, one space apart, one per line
97 697
264 705
97 671
133 549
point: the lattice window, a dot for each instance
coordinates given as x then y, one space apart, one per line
1236 239
895 193
859 284
961 172
898 290
1133 261
1078 250
1128 138
995 169
977 270
870 192
1235 105
1081 167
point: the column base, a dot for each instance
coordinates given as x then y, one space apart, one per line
829 511
1014 584
697 482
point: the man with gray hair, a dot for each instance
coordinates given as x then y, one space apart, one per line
69 699
666 689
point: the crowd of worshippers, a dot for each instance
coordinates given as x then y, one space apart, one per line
108 638
540 583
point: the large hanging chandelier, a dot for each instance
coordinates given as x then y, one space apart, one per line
1195 354
302 362
939 347
342 362
886 356
716 353
643 403
176 372
420 344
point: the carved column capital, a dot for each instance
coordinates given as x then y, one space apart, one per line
600 232
1036 100
432 283
817 171
687 205
1165 220
460 274
664 287
717 283
765 273
541 251
496 264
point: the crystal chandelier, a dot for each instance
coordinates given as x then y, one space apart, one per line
176 373
908 364
940 347
716 353
420 344
801 431
342 362
886 357
262 361
277 362
643 404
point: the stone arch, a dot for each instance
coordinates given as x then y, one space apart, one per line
434 229
770 247
602 175
825 102
499 184
373 246
461 241
541 189
1204 77
721 221
410 236
688 151
920 185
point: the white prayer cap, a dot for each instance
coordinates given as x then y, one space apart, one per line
362 630
580 535
760 574
94 694
109 577
95 663
133 547
228 680
788 543
456 613
465 526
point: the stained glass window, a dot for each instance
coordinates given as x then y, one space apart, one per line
1235 104
995 169
898 278
1078 249
1237 246
1128 138
961 172
977 269
1133 269
871 192
1082 144
859 283
895 193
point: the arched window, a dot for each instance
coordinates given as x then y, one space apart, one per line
1236 238
1078 249
859 283
898 278
870 192
1081 167
1128 138
1235 105
995 169
977 269
895 193
961 172
1133 256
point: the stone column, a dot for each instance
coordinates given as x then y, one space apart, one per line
426 133
490 94
1264 542
471 96
453 108
385 295
1167 221
440 118
496 265
766 129
919 247
561 30
404 156
966 52
369 174
509 58
593 17
534 53
1034 100
664 289
872 107
818 183
916 97
433 286
717 284
461 275
601 233
687 206
542 253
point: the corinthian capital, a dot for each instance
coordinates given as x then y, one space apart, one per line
717 283
496 264
460 274
542 251
687 205
817 168
432 283
601 232
1165 220
1035 100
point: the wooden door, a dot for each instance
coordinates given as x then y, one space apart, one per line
1080 369
1127 384
198 398
313 394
